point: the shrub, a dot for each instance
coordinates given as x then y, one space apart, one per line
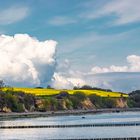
96 100
108 102
79 95
16 101
62 94
134 99
75 102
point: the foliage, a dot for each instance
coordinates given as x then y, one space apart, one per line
75 102
16 101
102 102
108 102
87 87
96 100
76 99
79 95
134 99
62 94
2 84
51 99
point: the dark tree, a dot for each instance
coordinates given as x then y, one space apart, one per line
86 87
1 83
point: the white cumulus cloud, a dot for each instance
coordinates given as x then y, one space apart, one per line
26 61
133 66
118 78
66 81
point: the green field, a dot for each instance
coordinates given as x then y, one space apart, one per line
47 92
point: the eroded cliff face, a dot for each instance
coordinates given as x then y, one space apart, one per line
121 103
67 104
87 104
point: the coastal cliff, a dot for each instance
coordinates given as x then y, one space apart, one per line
11 101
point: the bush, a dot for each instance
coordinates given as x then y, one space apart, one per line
16 101
54 103
75 102
108 102
62 94
134 99
79 95
29 101
11 102
96 100
86 87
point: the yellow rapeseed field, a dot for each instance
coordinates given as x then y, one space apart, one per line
45 92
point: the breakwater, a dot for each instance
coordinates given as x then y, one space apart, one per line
104 126
130 138
74 125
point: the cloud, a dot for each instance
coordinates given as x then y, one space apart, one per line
112 68
61 20
13 14
66 82
25 61
65 77
133 66
124 11
118 78
117 81
63 66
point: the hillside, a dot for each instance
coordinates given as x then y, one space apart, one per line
48 92
20 100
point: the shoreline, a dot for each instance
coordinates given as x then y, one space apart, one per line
14 115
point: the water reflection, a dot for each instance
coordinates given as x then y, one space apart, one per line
86 132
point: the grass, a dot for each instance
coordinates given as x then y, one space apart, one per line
48 92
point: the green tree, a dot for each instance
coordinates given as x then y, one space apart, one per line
2 84
108 102
79 95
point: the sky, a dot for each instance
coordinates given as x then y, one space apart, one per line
68 43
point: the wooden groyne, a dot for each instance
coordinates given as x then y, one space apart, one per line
130 138
74 125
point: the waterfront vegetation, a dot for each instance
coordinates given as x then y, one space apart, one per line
49 99
11 101
39 99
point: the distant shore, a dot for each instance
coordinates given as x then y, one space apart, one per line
14 115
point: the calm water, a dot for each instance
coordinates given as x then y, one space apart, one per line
64 133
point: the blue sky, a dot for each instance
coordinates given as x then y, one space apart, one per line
90 33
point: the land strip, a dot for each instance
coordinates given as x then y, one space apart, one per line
64 112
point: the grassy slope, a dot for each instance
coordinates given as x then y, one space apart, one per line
44 92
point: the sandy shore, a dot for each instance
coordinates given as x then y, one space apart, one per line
62 113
